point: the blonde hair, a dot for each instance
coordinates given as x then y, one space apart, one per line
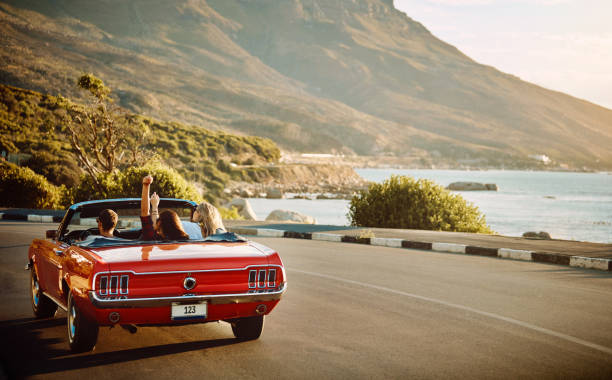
209 218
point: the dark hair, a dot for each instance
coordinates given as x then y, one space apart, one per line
171 226
108 218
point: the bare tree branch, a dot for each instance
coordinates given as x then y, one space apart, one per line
102 135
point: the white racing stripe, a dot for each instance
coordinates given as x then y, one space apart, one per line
543 330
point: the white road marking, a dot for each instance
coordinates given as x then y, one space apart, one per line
326 237
265 232
543 330
387 242
515 254
589 262
448 247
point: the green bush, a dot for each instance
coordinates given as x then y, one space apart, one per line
110 187
167 182
403 202
57 169
21 187
230 213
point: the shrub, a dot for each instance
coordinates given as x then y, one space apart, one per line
21 187
58 170
230 213
110 187
403 202
167 182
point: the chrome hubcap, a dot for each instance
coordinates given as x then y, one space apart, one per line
35 290
71 326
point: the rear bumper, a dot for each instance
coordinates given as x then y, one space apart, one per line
213 299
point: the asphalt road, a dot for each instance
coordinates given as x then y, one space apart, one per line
351 311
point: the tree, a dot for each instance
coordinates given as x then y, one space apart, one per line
103 136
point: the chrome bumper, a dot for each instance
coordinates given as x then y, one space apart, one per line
214 299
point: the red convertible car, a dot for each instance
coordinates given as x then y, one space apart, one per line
102 281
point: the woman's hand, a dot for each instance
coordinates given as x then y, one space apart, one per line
154 201
154 204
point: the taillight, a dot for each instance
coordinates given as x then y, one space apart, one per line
103 288
262 278
252 279
272 278
113 284
123 284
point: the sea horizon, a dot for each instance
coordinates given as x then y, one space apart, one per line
567 205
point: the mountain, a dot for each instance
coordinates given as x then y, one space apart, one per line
350 76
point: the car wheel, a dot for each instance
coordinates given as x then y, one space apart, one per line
248 328
82 333
42 306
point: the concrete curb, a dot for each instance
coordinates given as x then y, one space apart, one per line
502 253
37 218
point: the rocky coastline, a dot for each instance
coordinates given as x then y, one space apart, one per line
302 181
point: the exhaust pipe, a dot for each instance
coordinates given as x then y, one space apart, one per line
131 328
261 309
114 317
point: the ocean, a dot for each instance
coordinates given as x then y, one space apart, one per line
571 206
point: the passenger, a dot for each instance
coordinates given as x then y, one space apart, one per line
155 226
107 221
209 219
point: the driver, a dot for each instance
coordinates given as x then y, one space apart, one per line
107 221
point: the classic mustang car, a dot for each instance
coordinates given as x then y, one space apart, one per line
102 281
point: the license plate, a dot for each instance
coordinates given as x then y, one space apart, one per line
191 311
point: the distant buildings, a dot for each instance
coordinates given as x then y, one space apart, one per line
540 157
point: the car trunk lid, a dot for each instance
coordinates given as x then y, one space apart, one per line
159 270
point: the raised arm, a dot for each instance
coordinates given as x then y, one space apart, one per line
144 200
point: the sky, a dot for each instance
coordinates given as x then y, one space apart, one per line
563 45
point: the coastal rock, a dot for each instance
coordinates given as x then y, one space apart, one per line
247 193
300 179
290 216
542 235
274 193
243 206
472 186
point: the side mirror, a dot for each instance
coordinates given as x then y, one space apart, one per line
51 234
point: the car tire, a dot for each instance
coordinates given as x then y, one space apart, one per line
248 328
82 333
42 306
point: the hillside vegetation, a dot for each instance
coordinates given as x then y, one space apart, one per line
350 76
32 129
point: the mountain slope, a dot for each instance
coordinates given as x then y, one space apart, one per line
314 75
376 59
